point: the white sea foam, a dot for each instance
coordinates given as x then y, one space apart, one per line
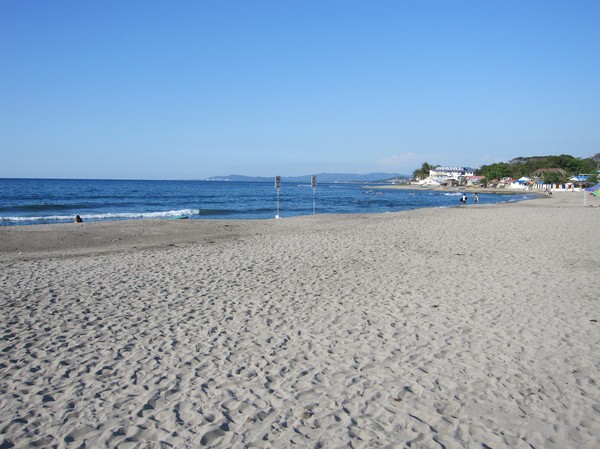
106 216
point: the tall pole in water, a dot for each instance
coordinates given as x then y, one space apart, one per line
277 188
313 184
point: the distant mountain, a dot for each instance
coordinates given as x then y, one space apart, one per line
321 177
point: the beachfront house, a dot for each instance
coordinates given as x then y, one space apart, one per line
428 182
450 175
523 183
578 182
474 181
451 172
556 179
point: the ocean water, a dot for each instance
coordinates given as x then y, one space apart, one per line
37 201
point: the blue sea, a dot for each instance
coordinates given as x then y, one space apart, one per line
37 201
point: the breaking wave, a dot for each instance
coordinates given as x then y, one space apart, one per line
100 217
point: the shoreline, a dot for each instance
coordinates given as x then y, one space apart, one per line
468 326
81 239
460 189
82 235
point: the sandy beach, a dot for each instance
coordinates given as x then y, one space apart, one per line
467 327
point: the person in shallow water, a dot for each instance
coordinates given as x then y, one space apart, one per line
78 219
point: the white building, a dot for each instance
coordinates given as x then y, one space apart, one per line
451 172
523 183
450 175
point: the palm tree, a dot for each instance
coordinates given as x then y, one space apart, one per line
423 172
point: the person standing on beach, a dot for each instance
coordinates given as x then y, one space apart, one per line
464 199
475 198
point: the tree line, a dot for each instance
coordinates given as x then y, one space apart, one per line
526 166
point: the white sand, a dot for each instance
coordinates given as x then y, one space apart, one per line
469 327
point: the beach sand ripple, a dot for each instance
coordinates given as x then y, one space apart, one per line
469 327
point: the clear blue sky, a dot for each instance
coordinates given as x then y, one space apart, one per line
191 89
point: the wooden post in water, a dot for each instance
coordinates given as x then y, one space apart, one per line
277 188
313 184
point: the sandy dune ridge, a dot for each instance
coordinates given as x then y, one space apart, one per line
466 327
